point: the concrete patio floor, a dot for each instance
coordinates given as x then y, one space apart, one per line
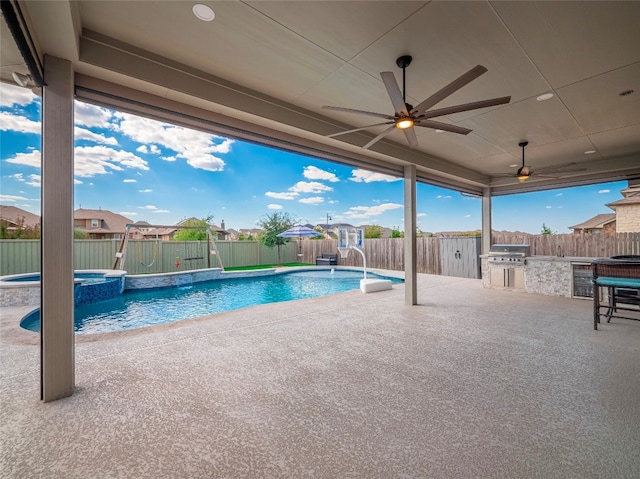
472 382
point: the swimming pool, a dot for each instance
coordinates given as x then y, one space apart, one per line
136 309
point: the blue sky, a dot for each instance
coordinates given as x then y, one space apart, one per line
160 173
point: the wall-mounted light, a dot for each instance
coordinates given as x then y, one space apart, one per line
21 79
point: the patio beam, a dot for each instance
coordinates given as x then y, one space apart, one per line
486 221
57 355
410 250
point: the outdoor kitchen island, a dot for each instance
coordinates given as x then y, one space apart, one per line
567 276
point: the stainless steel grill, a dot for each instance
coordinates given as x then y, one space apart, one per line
508 254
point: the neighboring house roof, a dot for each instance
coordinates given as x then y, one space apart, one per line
631 200
15 216
597 222
110 222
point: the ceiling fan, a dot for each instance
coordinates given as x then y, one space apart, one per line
407 116
525 171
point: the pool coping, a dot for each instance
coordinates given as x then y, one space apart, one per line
12 333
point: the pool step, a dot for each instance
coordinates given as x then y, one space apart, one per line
373 285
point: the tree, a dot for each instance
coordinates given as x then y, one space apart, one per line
396 233
373 232
272 225
546 230
80 234
193 235
19 231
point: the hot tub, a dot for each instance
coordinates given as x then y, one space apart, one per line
90 286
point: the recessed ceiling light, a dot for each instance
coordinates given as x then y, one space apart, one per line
589 152
439 131
544 96
203 12
514 166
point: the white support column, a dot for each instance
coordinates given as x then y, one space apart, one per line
57 354
410 225
486 220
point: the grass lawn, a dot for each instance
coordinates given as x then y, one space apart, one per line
266 266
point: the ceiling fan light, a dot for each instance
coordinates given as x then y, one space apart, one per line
404 123
522 178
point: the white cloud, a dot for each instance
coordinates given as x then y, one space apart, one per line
333 202
196 147
84 134
360 176
145 191
12 198
443 197
559 194
14 95
17 176
604 191
153 149
129 180
35 180
314 173
99 160
369 211
309 187
169 158
148 207
11 122
467 216
76 181
420 215
273 206
91 116
128 213
161 211
314 200
548 207
281 196
28 159
204 162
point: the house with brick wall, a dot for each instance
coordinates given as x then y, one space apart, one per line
626 218
100 224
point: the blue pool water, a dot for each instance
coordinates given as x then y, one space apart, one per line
135 309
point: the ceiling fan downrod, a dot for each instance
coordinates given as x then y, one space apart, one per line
523 172
403 62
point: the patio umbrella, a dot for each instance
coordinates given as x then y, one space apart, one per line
299 232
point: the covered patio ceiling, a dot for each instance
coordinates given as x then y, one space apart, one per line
262 70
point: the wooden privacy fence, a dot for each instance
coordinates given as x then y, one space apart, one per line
23 256
589 246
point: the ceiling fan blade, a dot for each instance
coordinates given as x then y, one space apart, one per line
379 137
359 129
359 112
451 88
395 95
443 126
465 107
410 135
